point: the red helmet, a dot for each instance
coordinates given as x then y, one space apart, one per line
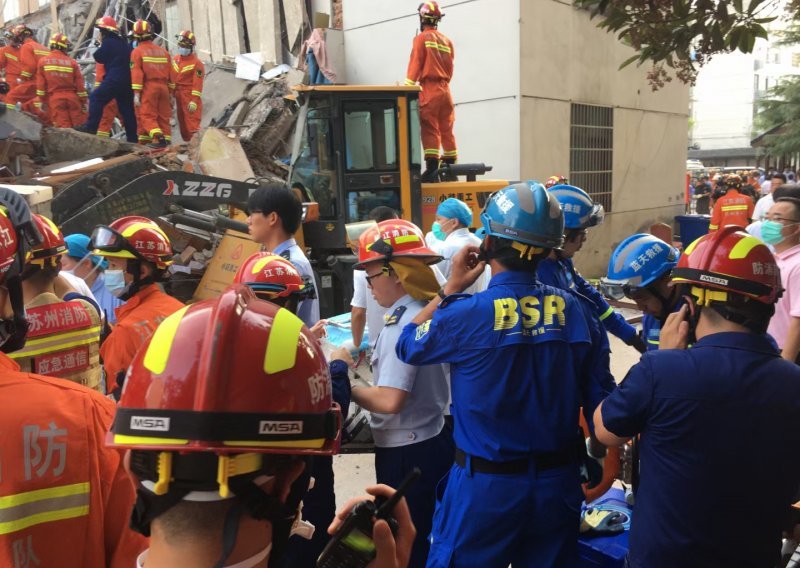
557 179
393 238
272 276
231 375
733 181
52 246
8 244
186 38
135 238
107 23
730 260
59 41
142 29
21 31
430 11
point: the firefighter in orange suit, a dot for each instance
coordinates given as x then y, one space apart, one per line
138 253
64 497
63 335
152 80
60 86
432 66
189 73
9 62
111 110
733 208
30 52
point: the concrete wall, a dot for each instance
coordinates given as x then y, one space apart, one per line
565 58
485 86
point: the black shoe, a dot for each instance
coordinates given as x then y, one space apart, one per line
429 175
158 142
82 128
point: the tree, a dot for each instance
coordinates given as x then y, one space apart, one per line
682 35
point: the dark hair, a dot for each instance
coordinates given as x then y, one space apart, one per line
382 213
40 275
750 313
780 176
789 190
503 251
793 199
277 197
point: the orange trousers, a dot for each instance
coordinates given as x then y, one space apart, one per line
66 109
156 110
436 117
110 112
189 122
21 93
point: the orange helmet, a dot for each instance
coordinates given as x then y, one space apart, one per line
142 29
107 23
135 238
729 260
21 31
271 276
52 246
557 179
186 38
393 238
59 41
430 11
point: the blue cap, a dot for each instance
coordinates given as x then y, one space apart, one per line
78 247
453 208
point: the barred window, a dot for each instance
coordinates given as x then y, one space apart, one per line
591 154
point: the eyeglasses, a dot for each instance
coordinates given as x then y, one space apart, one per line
782 220
383 272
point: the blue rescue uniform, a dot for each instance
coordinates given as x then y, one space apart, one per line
720 432
561 273
524 358
115 54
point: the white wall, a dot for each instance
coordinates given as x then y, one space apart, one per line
485 85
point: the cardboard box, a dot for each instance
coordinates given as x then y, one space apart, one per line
230 254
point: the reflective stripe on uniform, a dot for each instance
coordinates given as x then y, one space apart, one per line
60 68
23 510
410 82
58 342
187 68
155 59
40 52
12 57
197 93
734 207
607 313
40 93
439 46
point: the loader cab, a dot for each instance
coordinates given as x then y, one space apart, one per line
355 148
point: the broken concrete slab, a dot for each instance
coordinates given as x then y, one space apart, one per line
20 126
220 154
65 144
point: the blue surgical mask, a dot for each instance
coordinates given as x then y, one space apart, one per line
184 50
134 43
115 282
436 229
771 232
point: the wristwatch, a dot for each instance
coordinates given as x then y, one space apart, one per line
441 293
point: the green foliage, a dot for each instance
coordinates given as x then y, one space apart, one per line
781 110
681 34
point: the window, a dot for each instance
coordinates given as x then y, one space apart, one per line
591 143
314 166
414 133
370 130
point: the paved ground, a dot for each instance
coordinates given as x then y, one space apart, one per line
356 471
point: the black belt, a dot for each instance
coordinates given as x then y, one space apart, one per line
550 460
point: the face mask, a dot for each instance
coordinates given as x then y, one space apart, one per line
436 229
184 50
771 232
134 43
115 282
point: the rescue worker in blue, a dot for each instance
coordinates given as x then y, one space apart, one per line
524 358
407 402
581 213
640 269
115 54
705 499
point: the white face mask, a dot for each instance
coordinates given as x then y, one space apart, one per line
115 282
184 50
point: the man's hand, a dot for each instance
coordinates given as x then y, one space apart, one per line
192 107
342 354
465 269
137 100
318 329
675 332
390 551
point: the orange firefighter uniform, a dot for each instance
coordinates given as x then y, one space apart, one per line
65 498
25 91
151 78
60 86
63 340
189 72
10 65
432 66
733 208
111 111
137 319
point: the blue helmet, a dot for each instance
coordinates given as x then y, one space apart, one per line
637 262
580 212
525 213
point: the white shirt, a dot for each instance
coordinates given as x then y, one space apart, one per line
308 310
448 248
762 207
79 285
766 188
247 563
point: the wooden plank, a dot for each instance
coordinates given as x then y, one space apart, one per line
87 25
251 19
215 30
234 30
295 13
201 30
269 18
